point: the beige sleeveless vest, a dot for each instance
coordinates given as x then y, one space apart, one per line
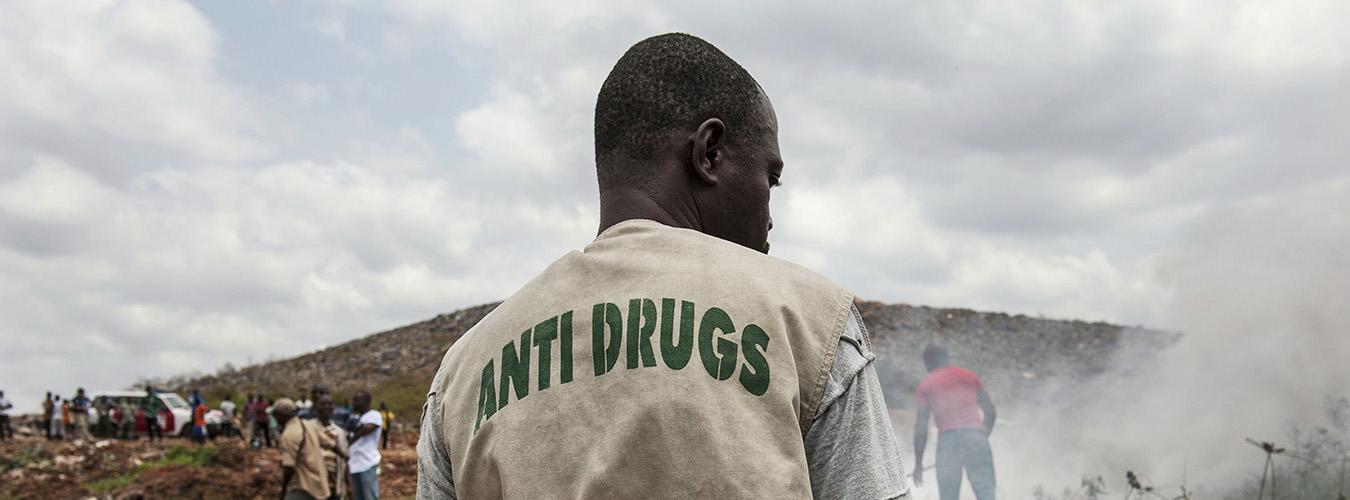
656 363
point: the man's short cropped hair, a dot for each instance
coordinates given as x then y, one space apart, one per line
665 83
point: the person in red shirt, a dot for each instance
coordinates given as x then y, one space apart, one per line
199 424
261 432
956 399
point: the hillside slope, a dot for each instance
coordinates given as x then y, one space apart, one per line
1016 355
396 366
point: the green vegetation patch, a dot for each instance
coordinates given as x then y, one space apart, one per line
404 394
24 457
113 483
195 456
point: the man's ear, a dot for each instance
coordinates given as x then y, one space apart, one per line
706 153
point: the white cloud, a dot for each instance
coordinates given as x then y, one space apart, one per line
97 80
309 93
330 27
1262 37
506 132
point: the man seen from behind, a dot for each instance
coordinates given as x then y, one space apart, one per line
669 358
387 421
261 433
151 406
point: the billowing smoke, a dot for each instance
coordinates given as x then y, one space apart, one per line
1261 295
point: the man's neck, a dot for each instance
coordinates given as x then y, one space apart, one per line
625 203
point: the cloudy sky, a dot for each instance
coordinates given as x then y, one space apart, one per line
188 184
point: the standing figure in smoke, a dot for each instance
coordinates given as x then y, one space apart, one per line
956 398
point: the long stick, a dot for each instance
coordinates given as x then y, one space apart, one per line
1274 494
1340 491
1261 492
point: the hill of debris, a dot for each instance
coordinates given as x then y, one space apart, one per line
1014 354
396 366
1017 357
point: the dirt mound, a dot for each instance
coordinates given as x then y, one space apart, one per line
110 469
398 466
36 468
185 481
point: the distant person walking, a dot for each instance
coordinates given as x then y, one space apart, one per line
196 399
246 420
65 418
387 417
58 423
5 432
273 428
151 406
79 414
260 418
199 423
227 425
104 427
956 398
302 443
335 460
365 449
127 418
47 407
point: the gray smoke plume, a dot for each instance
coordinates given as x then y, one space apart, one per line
1261 294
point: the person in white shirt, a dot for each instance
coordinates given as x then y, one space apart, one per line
58 421
365 449
227 407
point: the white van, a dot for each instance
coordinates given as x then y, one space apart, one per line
177 415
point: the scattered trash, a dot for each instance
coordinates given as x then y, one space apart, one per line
117 470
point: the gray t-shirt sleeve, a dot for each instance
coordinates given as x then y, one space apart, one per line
434 479
851 449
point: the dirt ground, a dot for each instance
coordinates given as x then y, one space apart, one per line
32 467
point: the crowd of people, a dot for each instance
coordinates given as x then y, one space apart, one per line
81 417
344 464
62 419
328 450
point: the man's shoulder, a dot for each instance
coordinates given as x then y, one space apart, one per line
925 384
292 432
964 373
